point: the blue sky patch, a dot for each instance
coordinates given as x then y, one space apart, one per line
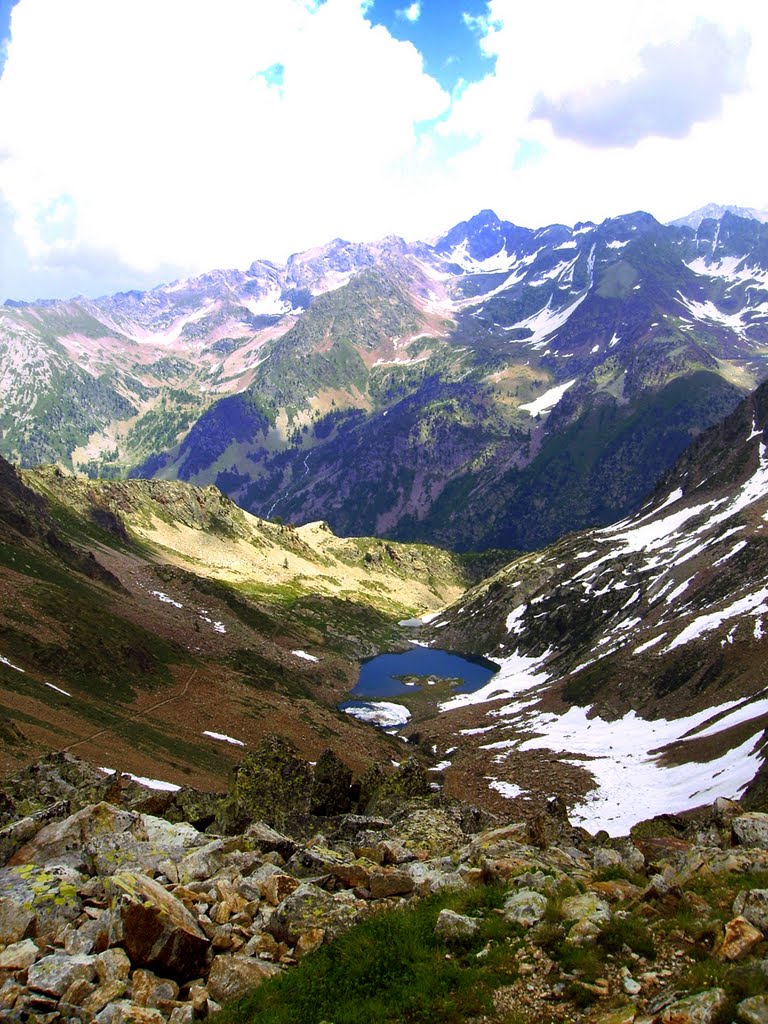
440 32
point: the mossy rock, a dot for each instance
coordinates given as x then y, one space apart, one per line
331 785
410 781
272 784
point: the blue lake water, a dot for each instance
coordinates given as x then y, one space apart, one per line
378 675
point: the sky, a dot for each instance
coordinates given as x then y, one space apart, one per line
146 140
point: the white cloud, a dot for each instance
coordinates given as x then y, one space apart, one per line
154 136
412 13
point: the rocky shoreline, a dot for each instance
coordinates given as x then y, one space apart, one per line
120 903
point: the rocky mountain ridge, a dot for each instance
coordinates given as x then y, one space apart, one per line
393 388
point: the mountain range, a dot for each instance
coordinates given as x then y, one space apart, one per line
492 389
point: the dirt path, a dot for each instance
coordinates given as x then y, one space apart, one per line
139 714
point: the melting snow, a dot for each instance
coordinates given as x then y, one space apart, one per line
734 551
548 400
168 787
165 599
498 263
546 321
4 661
753 603
507 789
382 713
222 736
57 689
422 621
649 643
631 784
305 656
516 674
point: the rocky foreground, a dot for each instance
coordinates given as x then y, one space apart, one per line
120 903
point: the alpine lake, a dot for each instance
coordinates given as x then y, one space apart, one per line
394 689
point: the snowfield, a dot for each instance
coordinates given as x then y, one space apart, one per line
382 713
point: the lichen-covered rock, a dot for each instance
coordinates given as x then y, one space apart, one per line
503 841
525 907
331 785
429 830
272 784
66 842
149 990
309 907
113 965
108 992
158 930
278 886
201 863
37 901
125 1011
309 942
233 977
453 927
54 974
753 904
725 810
606 858
56 779
264 839
19 956
586 907
751 829
409 781
16 833
429 876
368 786
702 1008
109 853
197 808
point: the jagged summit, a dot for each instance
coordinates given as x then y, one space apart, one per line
395 388
715 211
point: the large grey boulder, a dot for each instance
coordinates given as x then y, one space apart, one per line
54 974
37 902
751 829
753 904
525 907
753 1010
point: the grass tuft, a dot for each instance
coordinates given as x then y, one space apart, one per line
392 969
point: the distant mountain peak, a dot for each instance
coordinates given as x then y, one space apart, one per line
715 211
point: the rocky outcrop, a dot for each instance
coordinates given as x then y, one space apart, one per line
113 914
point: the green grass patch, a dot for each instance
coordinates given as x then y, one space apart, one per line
631 931
392 969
